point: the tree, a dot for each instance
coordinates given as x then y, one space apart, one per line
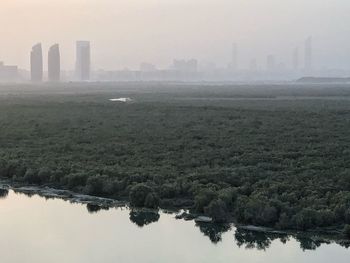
142 195
152 200
203 199
217 210
76 179
94 185
284 222
347 231
31 176
305 219
3 168
44 174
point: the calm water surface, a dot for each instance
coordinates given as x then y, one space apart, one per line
34 229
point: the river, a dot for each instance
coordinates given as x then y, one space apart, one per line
37 229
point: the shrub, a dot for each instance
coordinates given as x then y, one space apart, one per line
347 216
151 201
305 219
284 222
94 185
77 179
31 176
44 174
203 199
347 231
229 196
217 209
142 195
257 211
3 168
168 191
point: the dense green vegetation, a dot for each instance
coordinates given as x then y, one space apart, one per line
269 159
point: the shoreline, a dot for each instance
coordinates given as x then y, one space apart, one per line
322 235
66 195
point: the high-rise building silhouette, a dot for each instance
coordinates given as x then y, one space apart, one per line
308 54
296 59
234 62
36 63
54 63
82 66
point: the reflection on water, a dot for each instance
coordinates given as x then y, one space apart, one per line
143 218
310 244
213 231
93 208
55 226
3 193
257 240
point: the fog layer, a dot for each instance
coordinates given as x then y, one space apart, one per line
124 33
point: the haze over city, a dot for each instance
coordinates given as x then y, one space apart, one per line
124 34
192 131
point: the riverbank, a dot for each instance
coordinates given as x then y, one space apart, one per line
66 195
95 203
66 231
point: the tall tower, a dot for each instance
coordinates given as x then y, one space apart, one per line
82 66
54 63
234 62
296 59
308 54
36 63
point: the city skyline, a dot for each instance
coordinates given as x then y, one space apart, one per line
203 30
274 67
84 46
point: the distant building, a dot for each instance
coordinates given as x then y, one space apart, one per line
296 59
185 65
234 61
253 65
8 73
281 67
308 54
270 63
36 63
54 63
83 60
147 67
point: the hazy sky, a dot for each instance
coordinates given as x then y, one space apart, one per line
124 33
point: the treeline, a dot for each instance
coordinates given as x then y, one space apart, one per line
285 167
281 205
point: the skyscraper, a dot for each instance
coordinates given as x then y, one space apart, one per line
82 66
308 54
54 63
36 63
